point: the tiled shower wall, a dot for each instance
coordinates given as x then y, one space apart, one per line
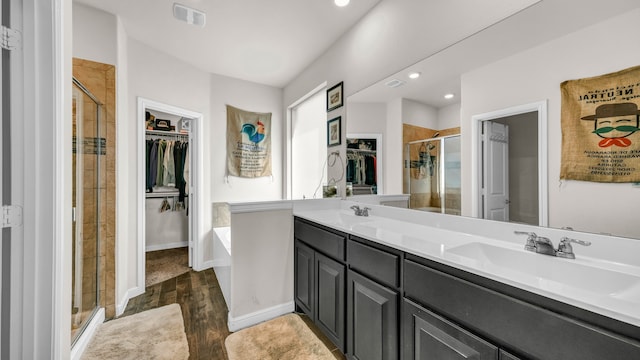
431 199
100 80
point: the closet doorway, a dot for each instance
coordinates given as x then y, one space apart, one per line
169 180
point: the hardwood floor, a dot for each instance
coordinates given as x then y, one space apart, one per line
204 311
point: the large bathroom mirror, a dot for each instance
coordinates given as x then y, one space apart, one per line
505 67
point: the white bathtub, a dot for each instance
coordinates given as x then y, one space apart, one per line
222 259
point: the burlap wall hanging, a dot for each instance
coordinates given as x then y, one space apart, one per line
601 128
248 143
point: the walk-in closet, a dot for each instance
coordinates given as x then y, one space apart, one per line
167 195
363 166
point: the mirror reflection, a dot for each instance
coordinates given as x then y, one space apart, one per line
432 174
524 186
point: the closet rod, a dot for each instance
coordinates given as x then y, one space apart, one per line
156 134
157 195
365 151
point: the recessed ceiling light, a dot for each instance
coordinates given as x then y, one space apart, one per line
414 75
341 2
449 96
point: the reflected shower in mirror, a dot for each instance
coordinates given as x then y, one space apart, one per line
432 174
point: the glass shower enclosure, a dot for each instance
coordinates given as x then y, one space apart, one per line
432 174
88 146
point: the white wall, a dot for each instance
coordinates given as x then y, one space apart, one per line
157 76
535 75
261 265
394 149
419 114
449 116
367 118
251 97
94 35
146 72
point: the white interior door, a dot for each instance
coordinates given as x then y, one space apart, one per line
495 173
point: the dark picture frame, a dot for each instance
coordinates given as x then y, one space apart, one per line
334 97
334 135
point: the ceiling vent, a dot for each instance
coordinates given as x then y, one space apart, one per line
189 15
394 83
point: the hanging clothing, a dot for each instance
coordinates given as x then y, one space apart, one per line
178 159
153 164
186 170
169 177
162 145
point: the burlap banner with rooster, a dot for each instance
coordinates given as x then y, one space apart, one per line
601 128
248 143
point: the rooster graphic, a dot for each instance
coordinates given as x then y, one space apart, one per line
255 133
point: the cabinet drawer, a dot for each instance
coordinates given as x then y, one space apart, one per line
531 330
377 264
429 336
327 242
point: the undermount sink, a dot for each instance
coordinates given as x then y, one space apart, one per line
545 272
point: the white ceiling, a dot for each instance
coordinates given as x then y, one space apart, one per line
540 23
263 41
271 42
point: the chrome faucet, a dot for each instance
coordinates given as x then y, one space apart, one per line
360 212
543 245
565 249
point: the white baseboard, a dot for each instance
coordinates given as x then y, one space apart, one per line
207 265
85 338
131 293
167 246
257 317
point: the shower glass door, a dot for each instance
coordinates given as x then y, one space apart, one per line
432 168
87 147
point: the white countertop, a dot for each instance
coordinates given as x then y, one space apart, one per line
604 278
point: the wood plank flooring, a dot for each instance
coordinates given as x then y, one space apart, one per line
204 311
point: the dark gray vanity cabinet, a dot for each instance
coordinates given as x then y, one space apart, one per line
320 278
373 299
429 336
372 319
527 324
330 308
304 288
379 303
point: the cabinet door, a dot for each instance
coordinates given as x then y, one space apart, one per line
429 336
372 324
304 278
330 307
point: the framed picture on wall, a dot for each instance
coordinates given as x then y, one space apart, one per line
334 97
333 131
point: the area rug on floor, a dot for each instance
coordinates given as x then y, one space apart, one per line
152 334
163 265
284 338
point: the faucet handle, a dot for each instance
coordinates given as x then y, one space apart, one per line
365 211
531 239
565 249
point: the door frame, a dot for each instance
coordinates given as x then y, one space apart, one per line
196 234
476 145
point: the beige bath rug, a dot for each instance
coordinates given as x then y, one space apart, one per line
284 338
152 334
163 265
